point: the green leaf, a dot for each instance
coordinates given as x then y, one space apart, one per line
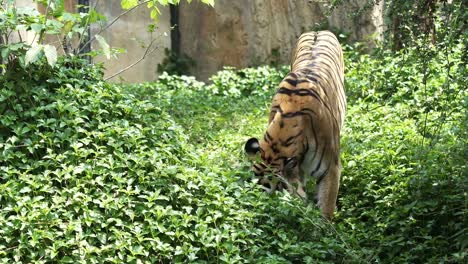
32 54
25 190
5 53
67 27
94 16
51 54
208 2
68 17
105 47
36 27
128 4
53 26
155 14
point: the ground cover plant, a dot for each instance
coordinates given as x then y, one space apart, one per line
94 172
154 172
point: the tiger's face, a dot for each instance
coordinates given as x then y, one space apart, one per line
280 150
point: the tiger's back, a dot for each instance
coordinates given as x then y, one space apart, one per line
302 140
318 59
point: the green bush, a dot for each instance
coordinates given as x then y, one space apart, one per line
70 155
403 153
246 82
176 64
154 172
96 172
406 200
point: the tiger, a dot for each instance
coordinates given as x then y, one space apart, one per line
307 113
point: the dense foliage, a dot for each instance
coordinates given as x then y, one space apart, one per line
93 172
176 64
46 29
411 153
96 172
409 21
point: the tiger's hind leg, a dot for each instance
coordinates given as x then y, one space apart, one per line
327 191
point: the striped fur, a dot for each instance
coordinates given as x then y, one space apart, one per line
307 114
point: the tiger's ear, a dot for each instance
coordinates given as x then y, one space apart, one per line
252 146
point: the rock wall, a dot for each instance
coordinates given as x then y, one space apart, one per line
238 33
245 33
26 36
362 19
130 32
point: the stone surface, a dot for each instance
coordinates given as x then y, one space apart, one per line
130 32
245 33
238 33
361 19
26 36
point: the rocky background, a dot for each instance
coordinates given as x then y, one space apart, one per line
247 33
130 32
238 33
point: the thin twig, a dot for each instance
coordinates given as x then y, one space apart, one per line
147 52
111 23
34 39
61 44
289 186
41 35
443 114
86 25
19 36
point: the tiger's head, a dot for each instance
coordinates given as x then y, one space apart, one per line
281 150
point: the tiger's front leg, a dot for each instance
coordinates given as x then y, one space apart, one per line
327 192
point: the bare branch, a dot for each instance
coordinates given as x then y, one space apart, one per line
19 36
147 52
86 25
61 44
41 35
111 23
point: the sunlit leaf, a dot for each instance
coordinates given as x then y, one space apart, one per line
128 4
51 54
37 27
105 47
209 2
67 27
32 54
155 14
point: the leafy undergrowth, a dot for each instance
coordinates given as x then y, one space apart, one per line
93 172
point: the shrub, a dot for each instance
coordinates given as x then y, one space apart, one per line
96 172
403 153
176 64
154 172
246 82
